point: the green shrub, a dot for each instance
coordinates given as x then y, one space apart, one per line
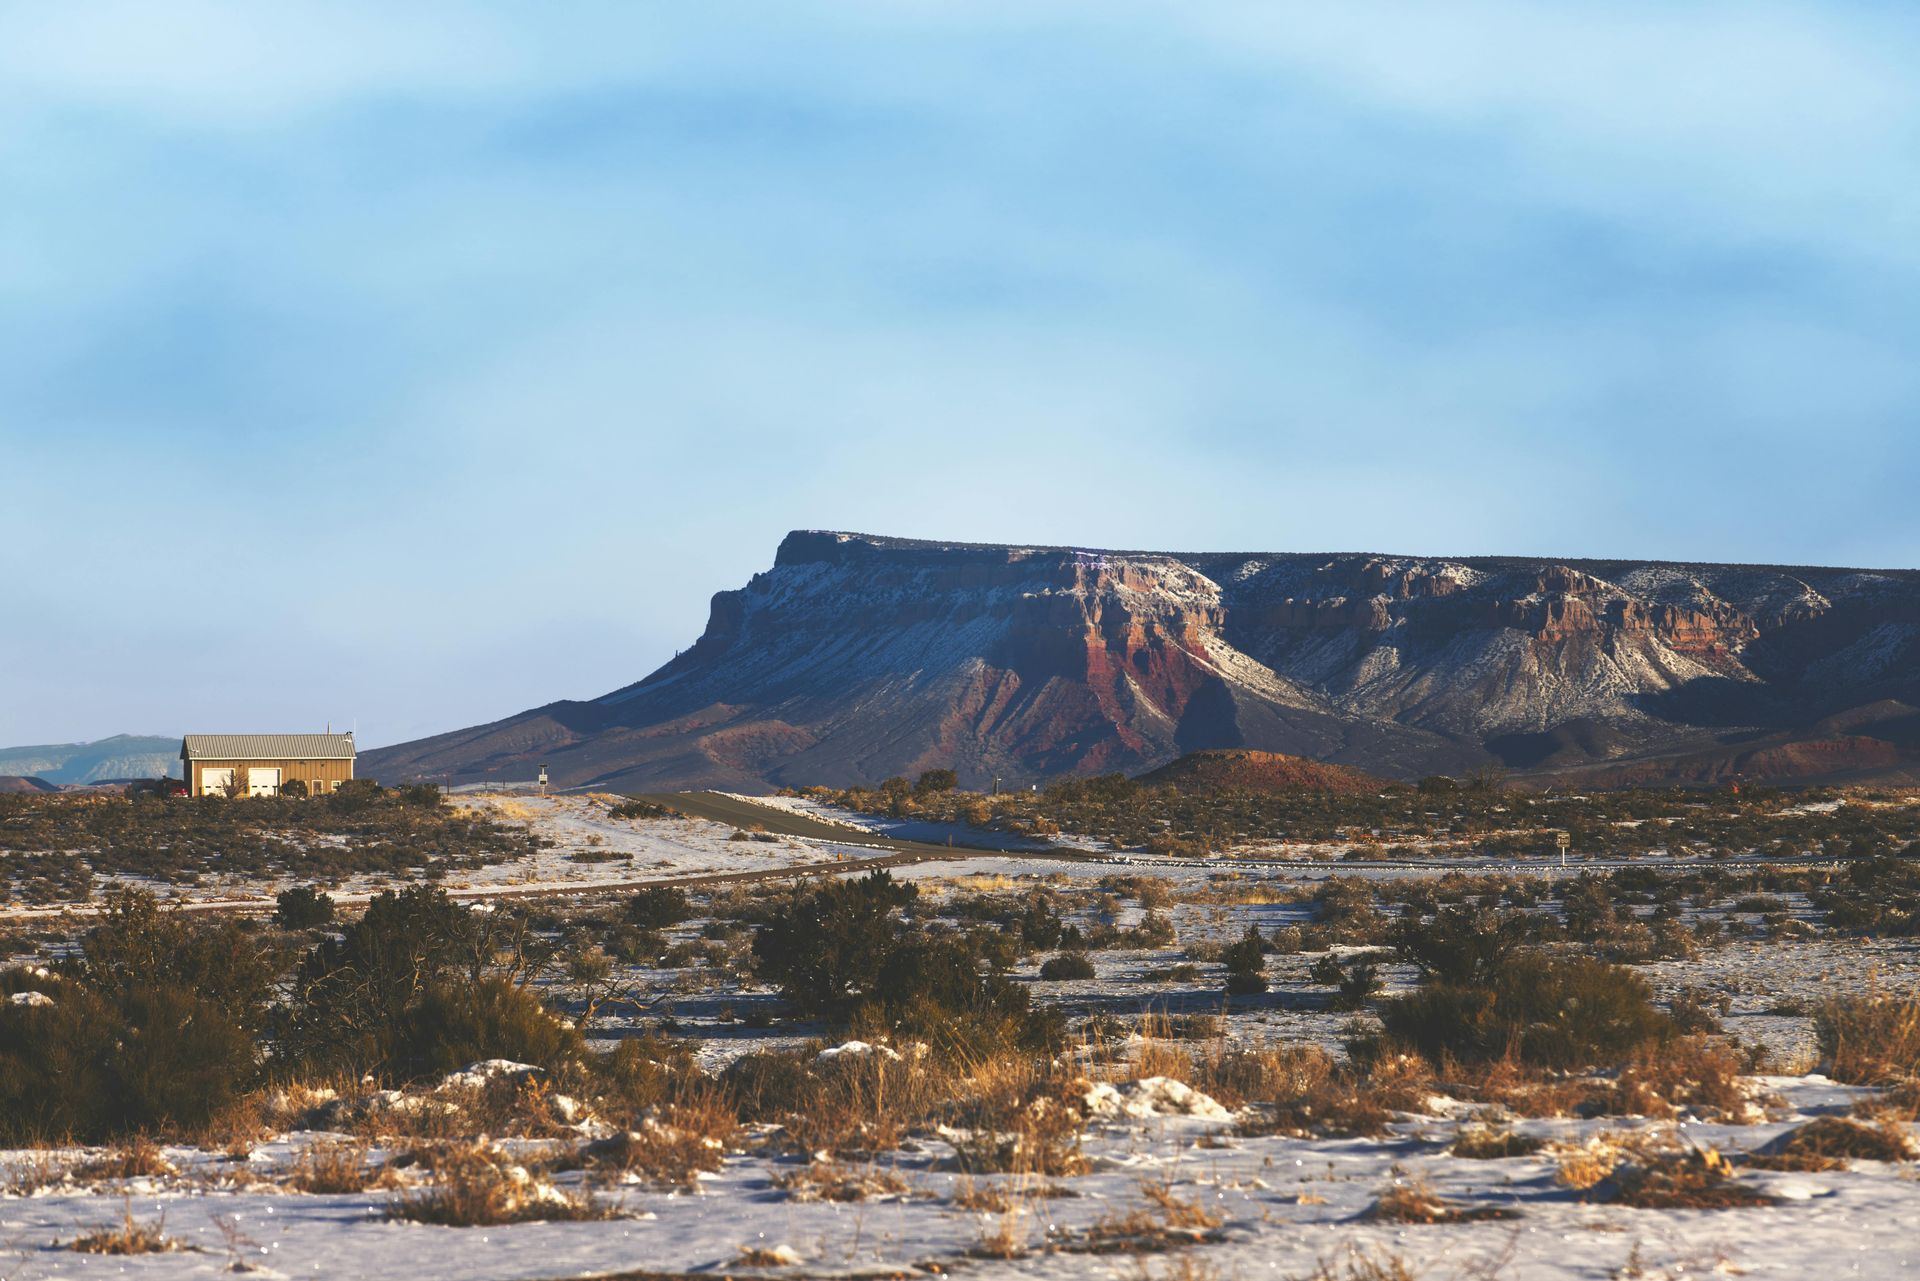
828 949
462 1022
935 781
841 950
658 907
1067 965
154 1026
1556 1012
302 908
352 993
1248 955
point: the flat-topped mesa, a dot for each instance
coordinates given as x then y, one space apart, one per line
856 656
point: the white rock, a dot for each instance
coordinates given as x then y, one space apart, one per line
31 998
783 1255
1153 1096
475 1075
857 1050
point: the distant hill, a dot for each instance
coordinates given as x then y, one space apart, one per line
857 657
15 783
122 756
1244 770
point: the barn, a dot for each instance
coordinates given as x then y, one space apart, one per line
261 764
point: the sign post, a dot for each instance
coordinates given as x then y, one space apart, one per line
543 780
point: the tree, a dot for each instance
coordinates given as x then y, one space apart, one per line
935 781
828 950
1246 963
657 907
301 907
353 993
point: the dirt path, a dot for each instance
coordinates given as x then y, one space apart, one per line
718 807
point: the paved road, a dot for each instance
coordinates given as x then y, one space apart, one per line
721 808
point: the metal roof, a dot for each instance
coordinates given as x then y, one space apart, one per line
267 747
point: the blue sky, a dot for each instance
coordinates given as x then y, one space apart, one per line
408 365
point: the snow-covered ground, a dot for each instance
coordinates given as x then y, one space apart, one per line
1282 1205
589 849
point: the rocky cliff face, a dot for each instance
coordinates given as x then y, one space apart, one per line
856 657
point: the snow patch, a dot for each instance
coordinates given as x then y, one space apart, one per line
1152 1096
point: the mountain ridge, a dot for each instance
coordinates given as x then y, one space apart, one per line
857 656
122 756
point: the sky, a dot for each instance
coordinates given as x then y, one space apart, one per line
405 366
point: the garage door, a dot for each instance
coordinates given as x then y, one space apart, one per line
215 782
263 782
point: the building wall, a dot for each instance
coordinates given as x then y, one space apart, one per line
329 774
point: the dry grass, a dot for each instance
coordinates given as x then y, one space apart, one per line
1313 1097
831 1181
673 1145
1414 1201
1524 1091
1238 1076
31 1170
1696 1074
139 1158
854 1107
129 1236
767 1256
1582 1168
1165 1221
1682 1178
1003 1236
479 1186
1360 1265
1898 1102
299 1104
1485 1143
1830 1142
1157 1054
1179 1213
1870 1040
330 1168
1014 1119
